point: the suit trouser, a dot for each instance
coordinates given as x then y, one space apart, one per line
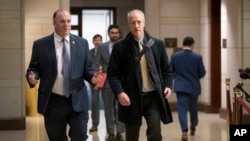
95 106
111 112
59 114
187 102
151 113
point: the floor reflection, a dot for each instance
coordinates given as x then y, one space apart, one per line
210 128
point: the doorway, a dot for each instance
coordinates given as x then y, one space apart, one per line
86 22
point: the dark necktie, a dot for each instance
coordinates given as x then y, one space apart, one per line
65 70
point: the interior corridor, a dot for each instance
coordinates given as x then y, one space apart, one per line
210 128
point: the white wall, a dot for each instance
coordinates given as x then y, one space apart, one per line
231 57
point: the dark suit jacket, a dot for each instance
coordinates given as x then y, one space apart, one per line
92 57
188 68
44 64
124 75
102 58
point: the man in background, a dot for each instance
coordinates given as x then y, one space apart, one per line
95 92
110 103
188 69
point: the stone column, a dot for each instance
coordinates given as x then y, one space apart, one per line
38 23
21 22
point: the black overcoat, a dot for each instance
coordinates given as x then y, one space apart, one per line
124 75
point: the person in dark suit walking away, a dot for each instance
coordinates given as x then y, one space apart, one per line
140 76
188 69
110 103
61 62
95 92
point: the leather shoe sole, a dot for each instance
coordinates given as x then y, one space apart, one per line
93 129
192 132
184 136
111 137
119 137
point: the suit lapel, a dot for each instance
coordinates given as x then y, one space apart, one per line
72 50
52 50
107 50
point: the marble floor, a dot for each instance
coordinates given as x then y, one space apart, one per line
210 128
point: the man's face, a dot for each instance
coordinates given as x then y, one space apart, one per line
62 23
97 41
114 34
136 25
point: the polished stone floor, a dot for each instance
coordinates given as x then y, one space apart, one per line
210 128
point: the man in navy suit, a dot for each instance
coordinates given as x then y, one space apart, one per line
188 69
58 107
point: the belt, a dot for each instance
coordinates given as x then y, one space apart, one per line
59 96
148 93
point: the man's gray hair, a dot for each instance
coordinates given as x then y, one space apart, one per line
136 11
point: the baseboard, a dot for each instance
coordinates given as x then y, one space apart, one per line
13 124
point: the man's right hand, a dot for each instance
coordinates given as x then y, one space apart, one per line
124 99
32 78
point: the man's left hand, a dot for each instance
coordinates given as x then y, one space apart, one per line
167 92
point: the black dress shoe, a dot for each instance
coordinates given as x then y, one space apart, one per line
111 137
119 137
93 129
184 136
192 133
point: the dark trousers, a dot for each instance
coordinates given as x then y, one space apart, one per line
59 114
111 112
95 106
151 113
187 102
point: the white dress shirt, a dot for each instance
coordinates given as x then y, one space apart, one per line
58 85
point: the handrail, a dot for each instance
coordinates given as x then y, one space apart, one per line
235 117
229 108
243 104
240 103
237 107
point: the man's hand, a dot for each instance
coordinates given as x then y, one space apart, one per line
32 78
167 92
96 78
124 99
93 86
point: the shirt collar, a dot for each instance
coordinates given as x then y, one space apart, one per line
110 45
141 40
188 48
59 38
